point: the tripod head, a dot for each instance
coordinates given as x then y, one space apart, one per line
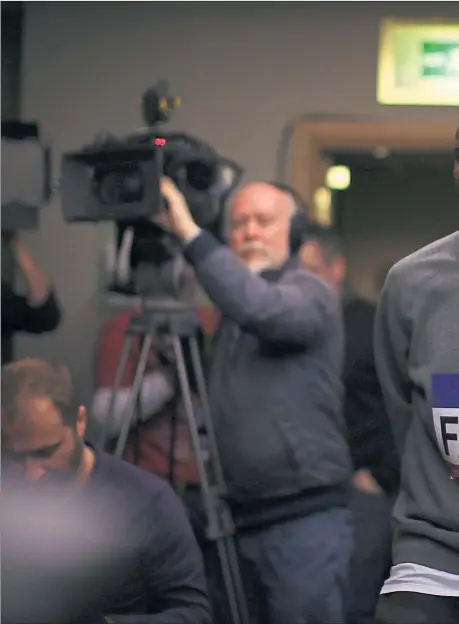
166 316
170 283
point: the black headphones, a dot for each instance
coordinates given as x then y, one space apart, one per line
299 224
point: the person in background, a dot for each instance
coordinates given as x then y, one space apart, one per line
36 312
157 386
149 443
86 536
417 357
375 460
275 399
380 277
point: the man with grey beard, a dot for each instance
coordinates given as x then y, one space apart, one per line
275 396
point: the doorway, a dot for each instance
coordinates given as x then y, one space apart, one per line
312 140
401 194
394 205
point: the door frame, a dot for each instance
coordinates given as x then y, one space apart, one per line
311 139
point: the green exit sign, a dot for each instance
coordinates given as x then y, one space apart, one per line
440 59
418 63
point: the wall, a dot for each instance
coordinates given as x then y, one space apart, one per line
11 59
242 70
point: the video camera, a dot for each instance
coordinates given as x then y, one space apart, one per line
118 179
114 179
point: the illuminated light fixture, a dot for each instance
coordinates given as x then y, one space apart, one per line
338 178
381 152
323 206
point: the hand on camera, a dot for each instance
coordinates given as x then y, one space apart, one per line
180 219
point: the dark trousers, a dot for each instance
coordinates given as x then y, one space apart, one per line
297 572
414 608
371 559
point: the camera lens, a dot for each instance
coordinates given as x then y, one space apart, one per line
200 176
131 187
120 185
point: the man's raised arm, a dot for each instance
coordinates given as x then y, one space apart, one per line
297 310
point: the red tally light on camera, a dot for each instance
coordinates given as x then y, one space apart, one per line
160 142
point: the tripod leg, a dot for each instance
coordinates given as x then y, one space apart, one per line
233 564
172 450
189 409
116 386
231 559
128 418
225 547
199 374
238 610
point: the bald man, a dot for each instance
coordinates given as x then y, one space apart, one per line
276 402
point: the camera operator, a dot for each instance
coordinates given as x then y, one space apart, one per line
37 312
275 398
86 536
375 460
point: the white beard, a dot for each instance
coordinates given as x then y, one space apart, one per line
259 266
258 263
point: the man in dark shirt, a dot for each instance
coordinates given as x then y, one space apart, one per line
375 460
35 313
85 536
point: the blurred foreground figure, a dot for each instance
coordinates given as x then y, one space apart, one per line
275 399
417 355
85 535
375 460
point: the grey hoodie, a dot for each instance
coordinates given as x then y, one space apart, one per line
417 337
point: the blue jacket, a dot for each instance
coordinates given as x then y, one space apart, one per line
275 387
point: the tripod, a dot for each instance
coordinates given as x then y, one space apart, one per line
177 320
